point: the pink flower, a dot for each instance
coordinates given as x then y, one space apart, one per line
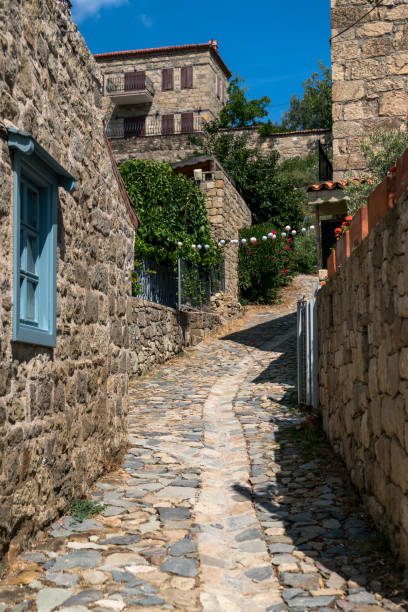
393 169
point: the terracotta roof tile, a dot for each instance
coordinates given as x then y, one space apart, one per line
212 45
329 185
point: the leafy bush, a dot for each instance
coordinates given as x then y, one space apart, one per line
266 267
301 171
381 152
271 195
171 208
314 109
304 254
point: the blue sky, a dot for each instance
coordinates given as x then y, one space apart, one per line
274 44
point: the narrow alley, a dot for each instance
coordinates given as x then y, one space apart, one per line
228 498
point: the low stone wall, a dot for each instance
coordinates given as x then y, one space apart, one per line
363 370
157 333
176 147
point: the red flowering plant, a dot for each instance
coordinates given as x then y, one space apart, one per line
345 226
267 266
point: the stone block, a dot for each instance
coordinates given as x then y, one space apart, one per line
399 465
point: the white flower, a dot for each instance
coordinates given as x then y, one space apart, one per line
206 246
287 228
303 230
273 236
270 235
243 240
179 244
312 227
293 232
253 239
199 247
264 238
222 242
193 246
283 235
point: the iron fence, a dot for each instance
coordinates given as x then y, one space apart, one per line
152 126
122 82
307 351
191 287
155 283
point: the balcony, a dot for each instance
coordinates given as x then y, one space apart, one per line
134 127
129 87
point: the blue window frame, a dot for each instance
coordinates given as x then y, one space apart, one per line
37 177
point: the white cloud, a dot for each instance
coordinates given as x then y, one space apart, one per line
82 9
145 19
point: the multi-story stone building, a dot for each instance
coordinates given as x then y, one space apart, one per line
370 74
167 90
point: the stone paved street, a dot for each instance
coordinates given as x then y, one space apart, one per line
228 499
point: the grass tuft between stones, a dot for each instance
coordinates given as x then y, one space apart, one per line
82 509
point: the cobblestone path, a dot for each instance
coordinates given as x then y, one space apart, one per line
228 499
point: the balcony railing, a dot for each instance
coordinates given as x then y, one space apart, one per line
128 83
152 126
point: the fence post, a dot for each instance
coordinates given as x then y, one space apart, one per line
179 283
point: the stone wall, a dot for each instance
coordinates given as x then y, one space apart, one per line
62 410
176 147
227 214
370 75
363 370
157 332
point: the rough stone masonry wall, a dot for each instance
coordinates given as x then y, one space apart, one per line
176 147
157 332
363 370
370 75
227 214
62 410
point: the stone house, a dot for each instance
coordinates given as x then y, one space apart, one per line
167 90
66 259
370 74
227 210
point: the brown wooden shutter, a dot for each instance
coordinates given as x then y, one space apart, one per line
167 124
167 79
187 77
187 123
134 126
135 80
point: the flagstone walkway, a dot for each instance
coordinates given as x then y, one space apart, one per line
227 499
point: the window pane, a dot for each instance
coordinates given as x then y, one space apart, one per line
22 247
30 306
32 207
31 253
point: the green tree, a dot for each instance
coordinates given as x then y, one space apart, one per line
314 108
270 194
171 209
240 112
381 152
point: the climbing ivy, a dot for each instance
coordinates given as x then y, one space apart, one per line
171 209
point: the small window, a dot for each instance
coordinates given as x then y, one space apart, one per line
167 79
187 77
36 179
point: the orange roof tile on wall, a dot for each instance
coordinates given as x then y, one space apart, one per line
358 227
401 176
381 200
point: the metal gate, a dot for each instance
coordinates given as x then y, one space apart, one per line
307 351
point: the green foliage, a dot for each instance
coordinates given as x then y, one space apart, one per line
270 194
265 129
301 171
240 112
82 509
381 152
314 109
264 268
171 208
305 254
